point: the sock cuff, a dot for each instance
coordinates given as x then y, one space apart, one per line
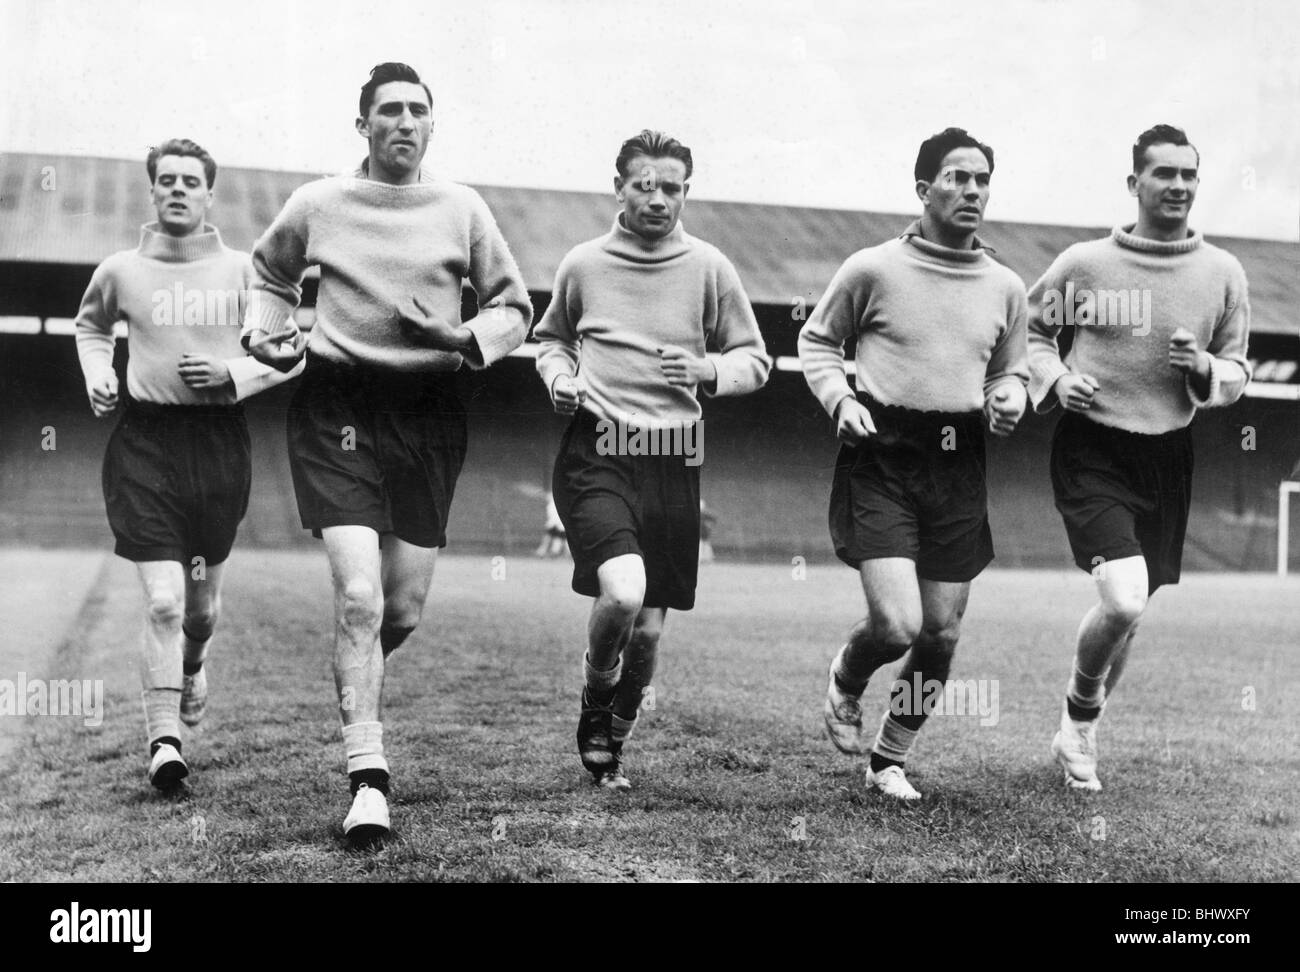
364 743
894 740
363 737
162 712
1084 690
598 680
619 728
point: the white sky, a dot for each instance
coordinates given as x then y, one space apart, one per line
813 102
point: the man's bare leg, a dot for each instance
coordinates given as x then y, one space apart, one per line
202 612
356 572
1105 636
614 616
407 572
160 667
943 604
892 624
639 658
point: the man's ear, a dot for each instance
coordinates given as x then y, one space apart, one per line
363 127
686 189
1132 184
923 190
618 187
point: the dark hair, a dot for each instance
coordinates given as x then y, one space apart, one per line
655 145
934 148
384 73
1159 135
183 147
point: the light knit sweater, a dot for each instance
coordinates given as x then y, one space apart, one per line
377 246
1125 296
176 294
619 298
938 329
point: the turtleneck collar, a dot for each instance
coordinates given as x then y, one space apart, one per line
623 242
362 171
1123 235
946 253
159 245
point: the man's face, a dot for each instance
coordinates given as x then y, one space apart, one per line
652 192
181 195
398 126
1166 186
956 198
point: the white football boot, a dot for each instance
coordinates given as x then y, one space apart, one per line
843 715
367 821
892 782
1075 748
166 768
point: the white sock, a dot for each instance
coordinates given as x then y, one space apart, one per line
364 742
1086 691
162 712
894 740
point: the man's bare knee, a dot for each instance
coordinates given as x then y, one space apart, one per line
201 621
164 608
623 593
894 634
939 641
360 605
648 629
403 610
1121 610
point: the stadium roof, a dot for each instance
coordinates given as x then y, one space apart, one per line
77 209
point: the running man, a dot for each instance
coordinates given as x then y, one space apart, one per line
177 470
940 330
623 351
376 430
1162 321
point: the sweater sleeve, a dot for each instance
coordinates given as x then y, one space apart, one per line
743 365
95 320
505 310
1229 367
558 330
279 262
834 320
249 375
1009 363
1045 322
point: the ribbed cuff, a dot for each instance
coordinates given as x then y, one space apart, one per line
1213 397
267 313
498 331
1042 379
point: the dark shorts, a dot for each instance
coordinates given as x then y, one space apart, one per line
615 505
176 481
376 448
915 489
1123 494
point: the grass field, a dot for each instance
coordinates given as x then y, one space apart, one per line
733 778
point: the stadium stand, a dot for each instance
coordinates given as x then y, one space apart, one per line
768 457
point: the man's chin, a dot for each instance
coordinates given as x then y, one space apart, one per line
654 231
